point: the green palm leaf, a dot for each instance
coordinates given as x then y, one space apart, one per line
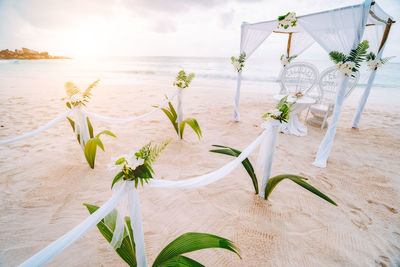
172 116
127 249
87 93
337 57
192 242
71 89
246 163
193 124
274 181
359 54
181 261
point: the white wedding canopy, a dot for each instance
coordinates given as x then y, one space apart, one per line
339 29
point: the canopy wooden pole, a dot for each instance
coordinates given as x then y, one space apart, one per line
386 33
288 43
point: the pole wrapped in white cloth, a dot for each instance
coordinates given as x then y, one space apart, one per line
266 152
136 224
63 242
236 116
129 119
38 130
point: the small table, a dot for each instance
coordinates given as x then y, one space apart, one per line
293 126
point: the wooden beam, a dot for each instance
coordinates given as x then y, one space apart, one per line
289 43
385 33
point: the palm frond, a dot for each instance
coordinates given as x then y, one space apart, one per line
192 242
193 124
157 149
337 57
71 89
274 181
246 163
386 59
127 249
359 54
87 92
370 56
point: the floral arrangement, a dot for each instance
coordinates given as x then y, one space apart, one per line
288 20
348 65
299 95
137 166
238 63
76 99
171 255
285 60
281 111
182 80
373 63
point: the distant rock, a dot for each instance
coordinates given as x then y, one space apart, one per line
26 53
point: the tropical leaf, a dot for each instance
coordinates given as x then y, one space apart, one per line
90 128
87 93
71 89
274 181
337 57
127 249
370 56
72 123
246 163
359 54
181 261
117 178
172 118
107 132
90 152
192 242
98 142
157 149
386 59
193 124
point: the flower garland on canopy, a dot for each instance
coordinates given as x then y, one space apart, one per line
238 63
288 20
285 60
351 63
373 63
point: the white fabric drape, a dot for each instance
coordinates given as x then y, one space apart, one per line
342 30
60 244
251 37
266 153
300 41
129 119
38 130
63 242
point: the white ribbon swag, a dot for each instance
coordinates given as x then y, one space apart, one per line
268 141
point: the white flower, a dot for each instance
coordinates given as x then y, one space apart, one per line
237 65
346 68
76 98
133 162
374 64
275 112
284 61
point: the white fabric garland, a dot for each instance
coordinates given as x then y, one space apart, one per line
63 242
129 119
38 130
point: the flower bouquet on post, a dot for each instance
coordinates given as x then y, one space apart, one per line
350 64
285 60
82 127
288 20
238 63
176 118
281 112
373 63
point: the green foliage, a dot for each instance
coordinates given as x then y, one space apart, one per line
127 249
274 181
289 59
283 16
246 163
370 56
337 57
170 112
90 147
171 255
284 109
357 55
138 167
189 242
71 89
240 60
182 80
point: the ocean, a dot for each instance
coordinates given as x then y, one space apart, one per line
130 70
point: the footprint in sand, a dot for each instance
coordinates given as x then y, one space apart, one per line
392 210
359 218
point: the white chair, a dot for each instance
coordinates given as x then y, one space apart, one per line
328 86
298 77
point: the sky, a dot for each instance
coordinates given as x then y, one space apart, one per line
207 28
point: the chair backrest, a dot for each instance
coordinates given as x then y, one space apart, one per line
328 85
299 77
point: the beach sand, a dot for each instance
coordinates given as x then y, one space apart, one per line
45 180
